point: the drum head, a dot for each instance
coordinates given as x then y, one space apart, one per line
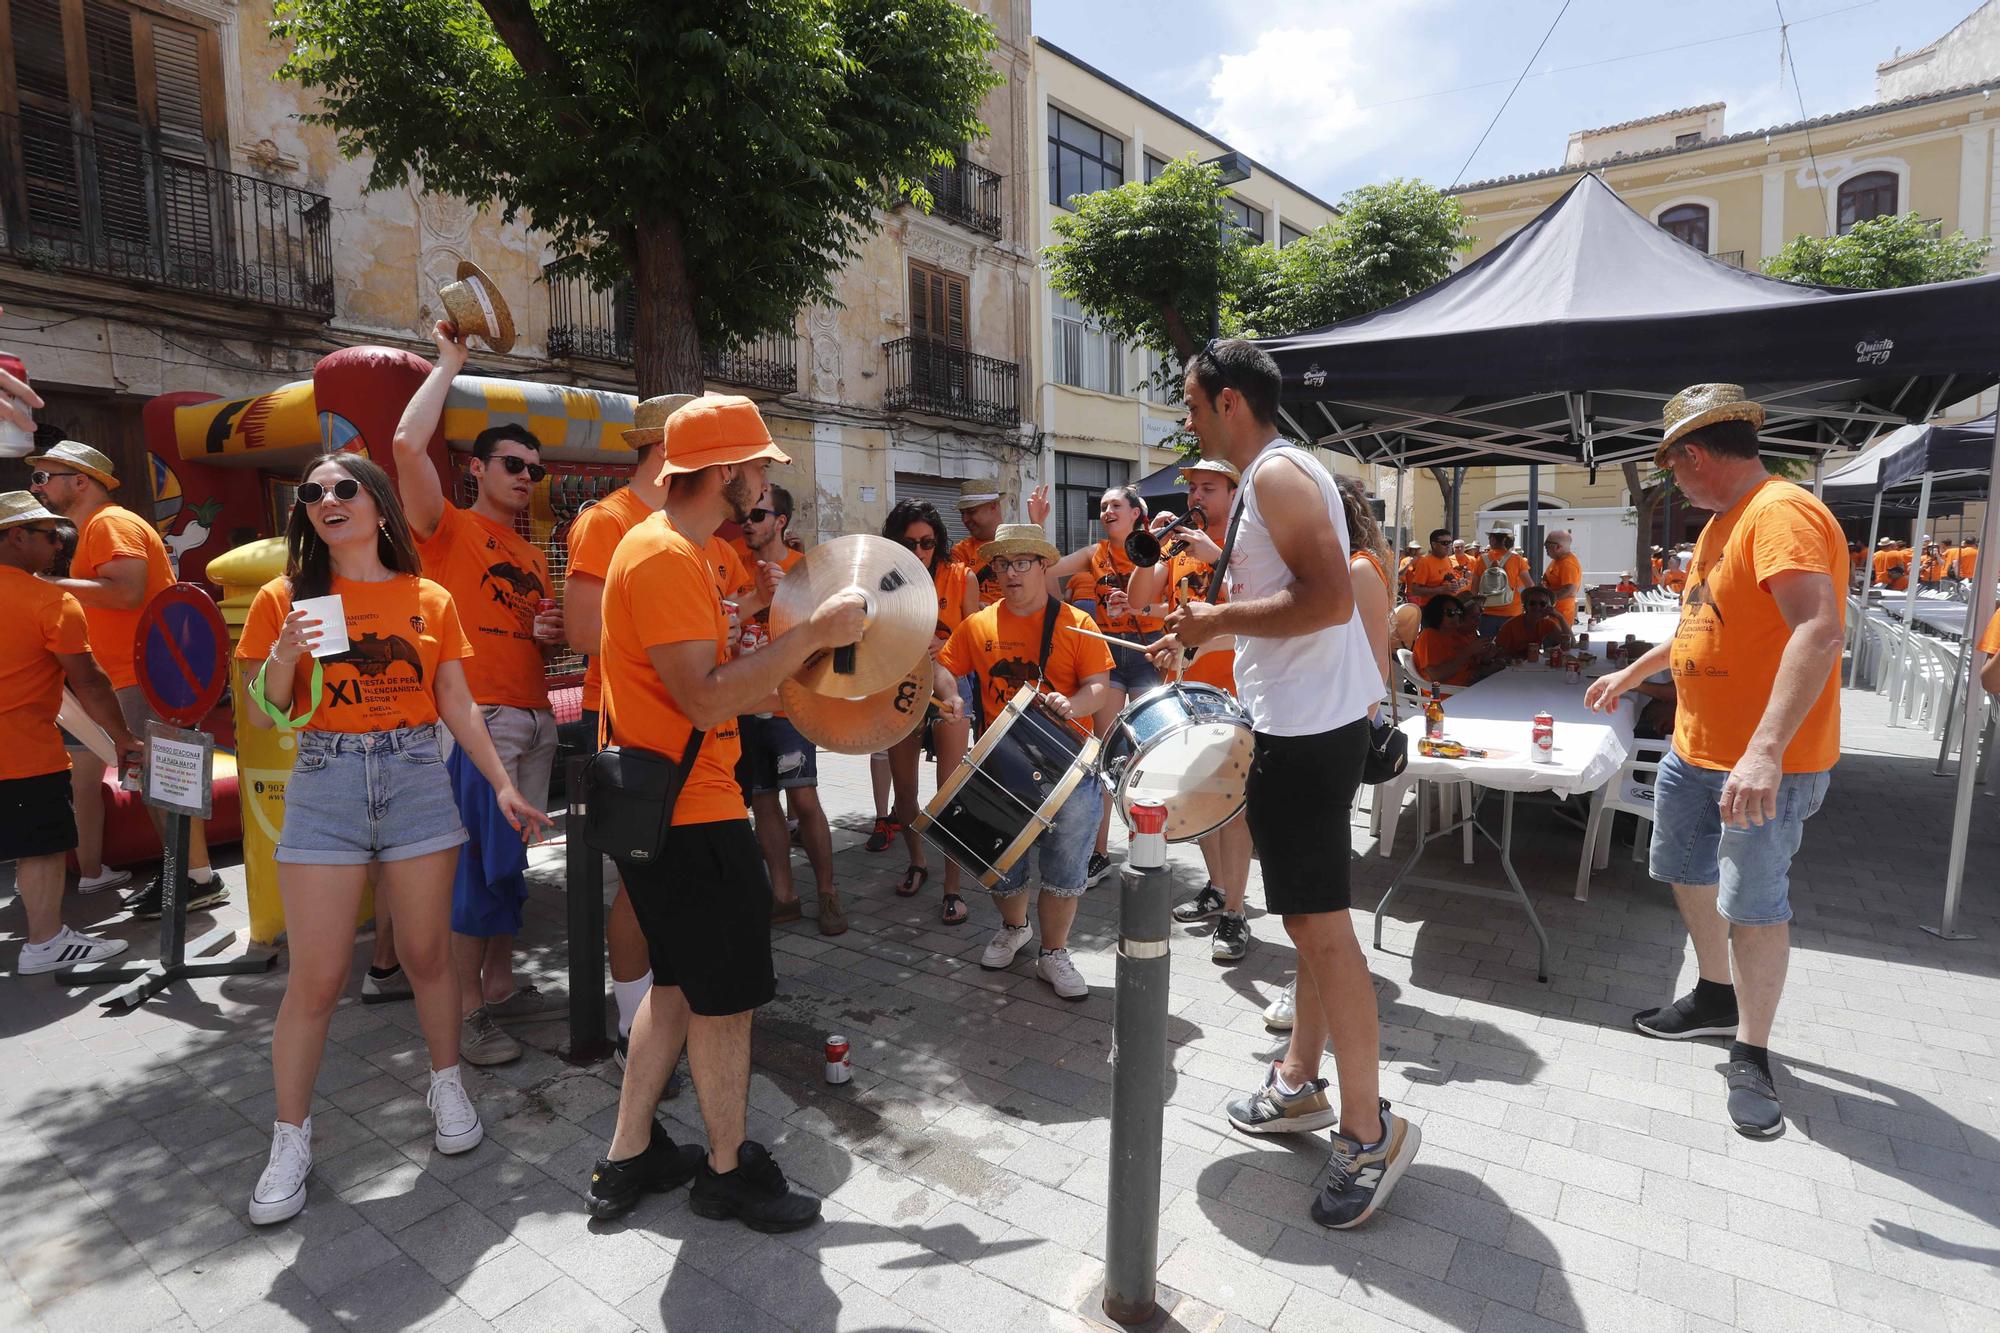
1198 772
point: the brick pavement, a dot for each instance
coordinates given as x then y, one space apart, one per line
1574 1175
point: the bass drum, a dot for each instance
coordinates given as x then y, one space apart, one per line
1187 746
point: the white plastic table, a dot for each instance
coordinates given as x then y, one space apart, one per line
1645 626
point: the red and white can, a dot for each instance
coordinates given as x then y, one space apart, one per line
1542 739
545 606
15 441
839 1069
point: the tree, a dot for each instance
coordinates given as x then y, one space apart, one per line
1388 242
729 157
1882 252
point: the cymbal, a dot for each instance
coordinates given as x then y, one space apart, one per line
902 613
859 726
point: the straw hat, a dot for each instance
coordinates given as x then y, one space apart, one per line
1701 405
649 418
978 491
1222 465
18 507
477 309
1019 539
81 458
716 431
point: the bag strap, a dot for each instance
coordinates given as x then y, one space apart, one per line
688 753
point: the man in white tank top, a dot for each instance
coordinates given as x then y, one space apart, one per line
1305 672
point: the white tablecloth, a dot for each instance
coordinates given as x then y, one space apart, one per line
1497 715
1645 626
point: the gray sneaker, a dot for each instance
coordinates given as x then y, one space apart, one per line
481 1042
385 990
1231 939
1201 907
1270 1111
1360 1176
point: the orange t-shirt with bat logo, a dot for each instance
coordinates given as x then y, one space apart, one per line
495 577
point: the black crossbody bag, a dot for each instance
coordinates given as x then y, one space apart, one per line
629 796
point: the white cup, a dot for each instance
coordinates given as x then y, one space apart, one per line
332 617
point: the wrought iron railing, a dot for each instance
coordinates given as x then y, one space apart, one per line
597 322
966 194
1733 258
930 375
105 205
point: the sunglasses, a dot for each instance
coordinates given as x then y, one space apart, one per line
921 543
759 515
44 478
1453 613
53 534
516 466
311 492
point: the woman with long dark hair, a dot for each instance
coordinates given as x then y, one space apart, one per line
369 787
917 525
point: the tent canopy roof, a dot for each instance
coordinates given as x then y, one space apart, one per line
1957 456
1563 344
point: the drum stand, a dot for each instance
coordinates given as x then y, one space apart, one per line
1504 843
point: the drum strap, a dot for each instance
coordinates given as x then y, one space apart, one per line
1222 561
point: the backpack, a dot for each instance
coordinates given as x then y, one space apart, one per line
1496 588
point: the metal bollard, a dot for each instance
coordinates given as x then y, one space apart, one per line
585 871
1139 1060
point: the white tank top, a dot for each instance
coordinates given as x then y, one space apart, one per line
1315 682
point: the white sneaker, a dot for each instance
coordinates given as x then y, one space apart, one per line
1055 968
106 878
1007 941
67 948
1282 1012
458 1127
281 1190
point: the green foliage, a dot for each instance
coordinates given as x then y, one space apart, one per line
762 131
1388 242
1881 252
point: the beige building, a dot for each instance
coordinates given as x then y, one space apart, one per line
1101 423
1927 146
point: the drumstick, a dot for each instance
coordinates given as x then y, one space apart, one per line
1115 643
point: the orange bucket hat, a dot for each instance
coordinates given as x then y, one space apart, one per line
716 431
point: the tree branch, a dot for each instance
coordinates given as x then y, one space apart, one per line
1185 346
515 21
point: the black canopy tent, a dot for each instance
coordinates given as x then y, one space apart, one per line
1563 343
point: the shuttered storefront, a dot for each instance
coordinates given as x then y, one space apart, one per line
940 491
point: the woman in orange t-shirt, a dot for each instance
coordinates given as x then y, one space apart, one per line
369 788
1450 651
917 525
1989 643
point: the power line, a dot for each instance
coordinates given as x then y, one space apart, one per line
1510 93
1785 52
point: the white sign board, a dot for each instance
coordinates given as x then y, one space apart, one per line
180 769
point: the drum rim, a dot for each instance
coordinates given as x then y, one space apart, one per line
1139 752
989 875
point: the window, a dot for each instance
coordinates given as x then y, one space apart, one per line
1080 482
1872 195
1689 223
1250 219
1149 387
937 305
1688 140
1287 233
1085 355
1082 158
1155 164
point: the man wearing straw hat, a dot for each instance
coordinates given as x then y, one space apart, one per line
670 684
46 645
120 564
1756 663
979 502
498 578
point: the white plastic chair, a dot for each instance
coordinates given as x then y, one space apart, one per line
1624 792
1384 819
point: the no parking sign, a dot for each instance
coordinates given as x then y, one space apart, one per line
181 654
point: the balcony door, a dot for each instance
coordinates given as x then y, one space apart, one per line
938 364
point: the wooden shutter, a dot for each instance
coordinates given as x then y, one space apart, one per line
51 192
937 305
41 68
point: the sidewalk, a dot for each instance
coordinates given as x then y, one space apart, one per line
1573 1175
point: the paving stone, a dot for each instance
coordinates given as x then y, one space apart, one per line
563 1304
129 1298
214 1287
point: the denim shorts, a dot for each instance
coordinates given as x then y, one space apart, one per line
1062 853
1133 672
1751 867
775 757
368 796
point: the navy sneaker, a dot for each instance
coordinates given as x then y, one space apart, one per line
1753 1101
1361 1175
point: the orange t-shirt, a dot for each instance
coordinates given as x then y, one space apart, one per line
967 553
1517 634
1952 555
732 575
398 633
1002 650
1518 577
593 538
1731 635
1403 568
1560 572
661 590
1627 587
1674 580
949 577
46 621
1930 568
1435 647
1428 570
1111 568
495 576
1469 563
1989 642
1187 581
113 533
1884 563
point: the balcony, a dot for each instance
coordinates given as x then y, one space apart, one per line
596 322
105 206
929 375
966 194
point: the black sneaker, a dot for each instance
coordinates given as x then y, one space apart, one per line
616 1186
882 834
755 1193
146 903
1099 867
1201 907
1361 1176
1684 1019
1231 939
1753 1101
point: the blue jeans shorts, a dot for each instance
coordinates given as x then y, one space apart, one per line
358 797
1063 852
1751 867
1133 672
775 757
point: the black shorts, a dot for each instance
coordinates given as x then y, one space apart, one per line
1297 802
705 909
35 817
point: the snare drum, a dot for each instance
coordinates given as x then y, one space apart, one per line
1184 744
1006 792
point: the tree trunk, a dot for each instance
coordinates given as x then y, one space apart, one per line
666 347
1644 500
1184 342
1451 484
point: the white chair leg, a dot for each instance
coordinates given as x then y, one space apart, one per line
1598 822
1465 809
1389 812
1601 848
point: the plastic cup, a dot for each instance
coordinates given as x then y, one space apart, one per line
332 617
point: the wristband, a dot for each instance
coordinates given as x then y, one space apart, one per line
283 722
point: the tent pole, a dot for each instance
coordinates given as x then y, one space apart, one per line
1977 613
1867 582
1902 682
1535 520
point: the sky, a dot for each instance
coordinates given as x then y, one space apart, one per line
1339 93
